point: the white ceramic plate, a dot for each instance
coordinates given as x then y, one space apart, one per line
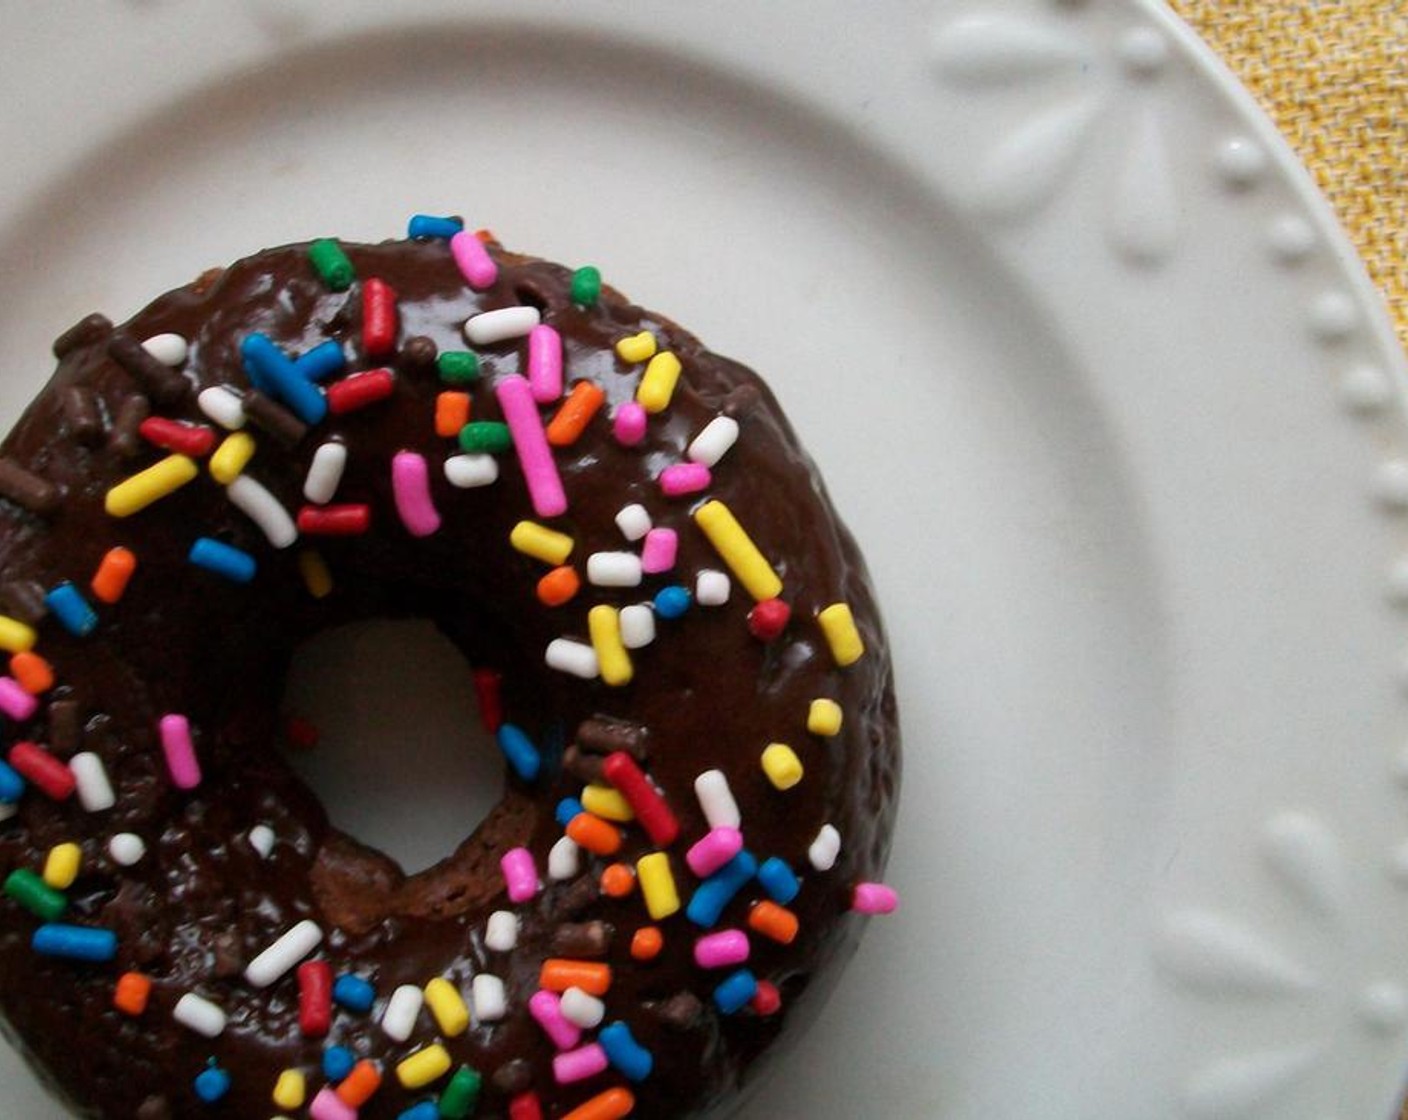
1103 393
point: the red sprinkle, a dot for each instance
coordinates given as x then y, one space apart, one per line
768 619
488 692
360 390
314 998
335 521
44 770
525 1106
378 317
767 1000
195 440
654 815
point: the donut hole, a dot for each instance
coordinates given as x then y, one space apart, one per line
402 763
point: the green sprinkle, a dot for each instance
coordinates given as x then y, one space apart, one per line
331 264
586 285
458 367
35 895
485 436
460 1095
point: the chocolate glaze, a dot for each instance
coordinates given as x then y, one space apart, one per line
202 902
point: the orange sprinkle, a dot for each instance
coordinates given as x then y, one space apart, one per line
594 834
576 412
484 235
610 1105
559 586
114 570
618 881
359 1085
34 673
559 974
130 996
647 943
451 413
774 921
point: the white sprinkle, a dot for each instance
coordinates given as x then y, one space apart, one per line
501 933
466 471
825 848
575 658
199 1014
168 349
633 521
253 500
402 1009
716 799
505 323
7 810
614 569
126 848
325 472
637 626
261 839
490 1001
582 1009
284 953
711 588
564 860
90 778
223 405
712 444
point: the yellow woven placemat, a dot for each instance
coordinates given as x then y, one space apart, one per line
1333 74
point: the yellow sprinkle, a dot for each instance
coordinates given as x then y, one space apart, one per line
738 551
145 487
541 543
290 1089
636 348
424 1066
782 766
657 384
839 626
234 452
824 717
607 803
604 626
447 1006
314 570
657 885
15 636
61 865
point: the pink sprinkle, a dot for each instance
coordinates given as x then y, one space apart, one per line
545 363
874 898
327 1105
474 260
629 424
658 553
531 442
15 702
410 481
718 847
721 950
180 751
578 1065
679 479
546 1008
520 875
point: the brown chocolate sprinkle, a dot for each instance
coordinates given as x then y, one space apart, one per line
513 1077
126 440
576 897
25 488
80 405
274 418
604 735
681 1011
418 352
586 768
154 1108
88 330
24 599
582 939
65 727
164 384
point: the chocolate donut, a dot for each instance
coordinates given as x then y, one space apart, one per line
673 640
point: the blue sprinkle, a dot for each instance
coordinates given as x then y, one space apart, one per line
272 372
778 880
11 784
72 610
426 1110
567 808
734 993
323 361
717 891
225 560
672 601
429 226
75 943
338 1062
522 755
212 1084
353 993
625 1053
